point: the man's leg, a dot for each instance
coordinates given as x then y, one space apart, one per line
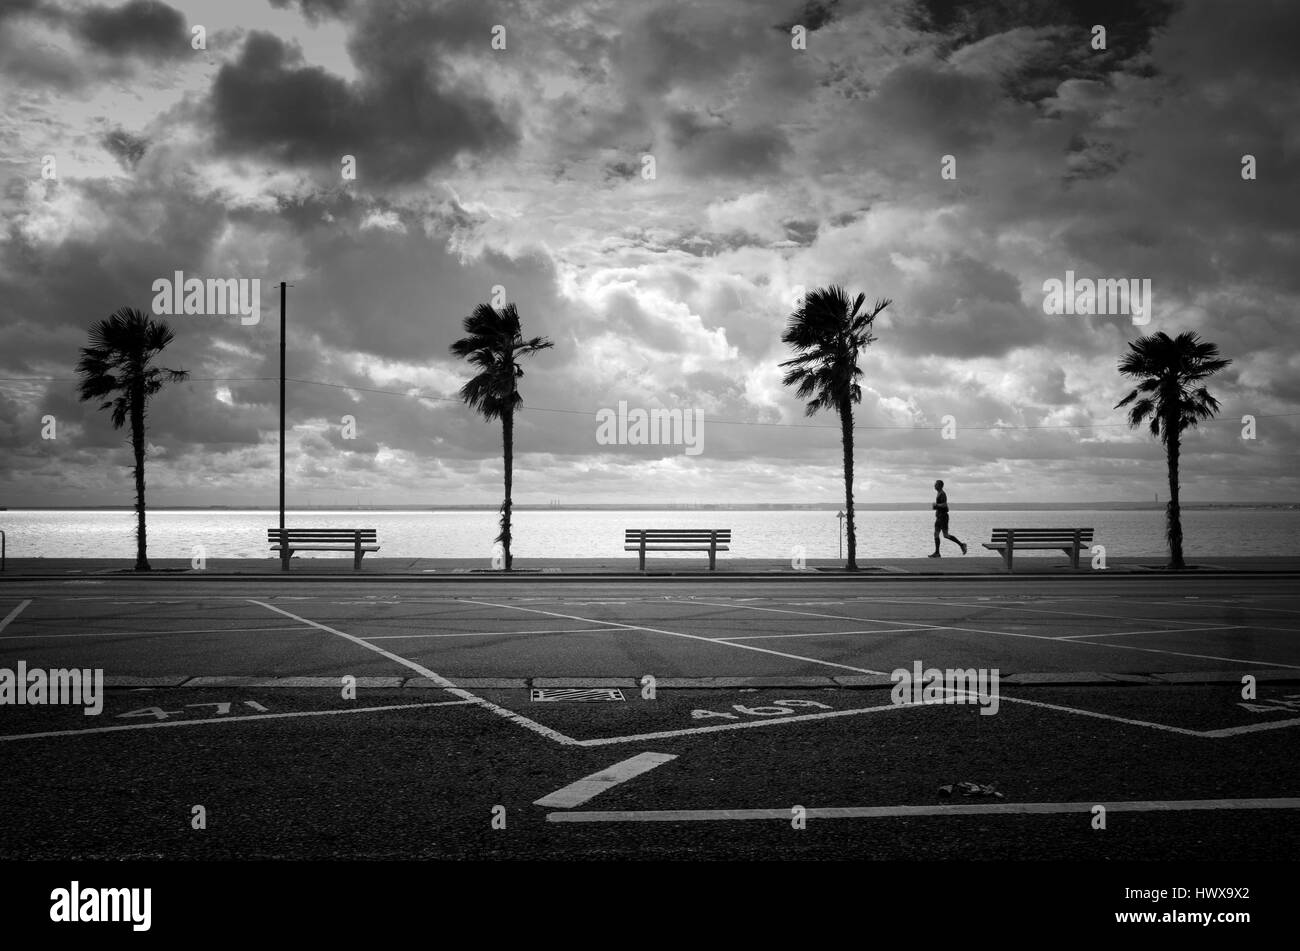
954 538
936 540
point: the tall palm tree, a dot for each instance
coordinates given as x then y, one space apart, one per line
828 331
1172 396
493 343
116 368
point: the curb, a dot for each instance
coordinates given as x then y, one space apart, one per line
561 578
854 682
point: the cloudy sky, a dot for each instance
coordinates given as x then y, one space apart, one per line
774 169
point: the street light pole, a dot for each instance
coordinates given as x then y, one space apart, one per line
840 536
283 285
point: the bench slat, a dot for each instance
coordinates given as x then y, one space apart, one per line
636 539
677 548
323 531
327 548
1042 531
678 536
678 531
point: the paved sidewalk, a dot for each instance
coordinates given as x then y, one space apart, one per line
1031 565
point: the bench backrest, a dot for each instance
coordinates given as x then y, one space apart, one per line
330 536
633 536
1042 536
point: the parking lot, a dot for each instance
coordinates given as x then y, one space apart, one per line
682 718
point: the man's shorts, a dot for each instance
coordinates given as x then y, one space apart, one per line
941 521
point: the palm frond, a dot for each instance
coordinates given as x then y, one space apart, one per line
118 361
1165 370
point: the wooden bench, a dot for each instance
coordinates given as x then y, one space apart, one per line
1007 541
356 540
712 540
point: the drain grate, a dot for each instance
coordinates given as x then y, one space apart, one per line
575 694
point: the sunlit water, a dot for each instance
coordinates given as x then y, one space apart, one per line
599 534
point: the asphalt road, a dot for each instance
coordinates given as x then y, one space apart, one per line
1146 709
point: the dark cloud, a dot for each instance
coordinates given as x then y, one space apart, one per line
19 8
32 64
125 147
713 147
814 15
966 308
801 232
399 122
1064 25
144 27
622 170
1087 158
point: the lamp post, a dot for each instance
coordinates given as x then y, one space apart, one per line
282 541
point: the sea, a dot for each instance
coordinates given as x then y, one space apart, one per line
577 533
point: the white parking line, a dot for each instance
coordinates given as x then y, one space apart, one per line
892 812
695 637
745 725
162 724
825 663
1163 630
1251 728
212 630
441 681
586 789
1038 637
1026 610
760 637
1218 602
13 614
402 637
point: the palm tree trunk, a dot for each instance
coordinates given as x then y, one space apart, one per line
1173 515
137 447
846 438
508 444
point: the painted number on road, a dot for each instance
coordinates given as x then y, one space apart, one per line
158 713
778 708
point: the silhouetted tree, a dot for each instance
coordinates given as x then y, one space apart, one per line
492 344
1172 397
828 331
116 368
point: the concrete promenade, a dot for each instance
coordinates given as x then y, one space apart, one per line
1031 565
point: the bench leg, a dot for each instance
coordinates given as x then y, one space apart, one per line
356 556
713 558
285 555
642 554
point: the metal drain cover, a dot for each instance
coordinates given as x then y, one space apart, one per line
575 694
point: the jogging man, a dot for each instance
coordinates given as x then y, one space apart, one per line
940 507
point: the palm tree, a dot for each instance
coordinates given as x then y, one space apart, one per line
493 343
828 331
1171 395
115 368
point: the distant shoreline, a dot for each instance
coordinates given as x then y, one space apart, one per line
667 507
